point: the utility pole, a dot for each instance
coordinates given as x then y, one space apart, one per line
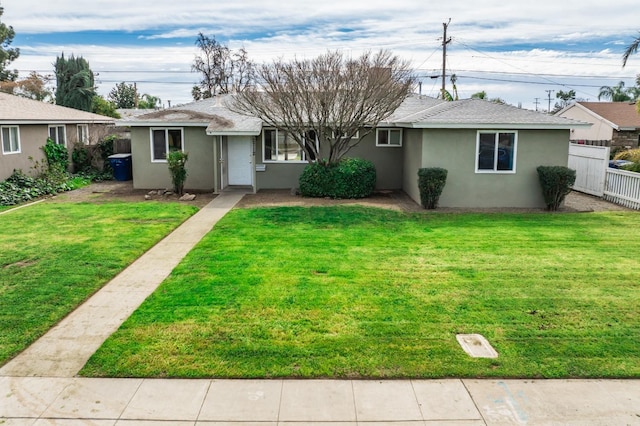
549 92
536 103
445 41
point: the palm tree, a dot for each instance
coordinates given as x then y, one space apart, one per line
631 49
616 93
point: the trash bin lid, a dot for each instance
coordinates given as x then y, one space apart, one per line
119 156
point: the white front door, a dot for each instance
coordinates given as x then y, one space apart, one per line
240 161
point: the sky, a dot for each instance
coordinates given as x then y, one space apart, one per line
519 51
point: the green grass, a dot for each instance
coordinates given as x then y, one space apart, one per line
351 292
53 256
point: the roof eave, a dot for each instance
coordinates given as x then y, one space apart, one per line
233 133
514 126
140 123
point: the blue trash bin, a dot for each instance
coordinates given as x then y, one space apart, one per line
121 165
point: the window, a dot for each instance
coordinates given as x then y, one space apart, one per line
163 141
356 136
83 133
10 140
389 137
58 134
278 145
496 152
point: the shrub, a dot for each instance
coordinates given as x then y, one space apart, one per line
431 182
556 183
176 161
350 178
634 167
629 155
57 155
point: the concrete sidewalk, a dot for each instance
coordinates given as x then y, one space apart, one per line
69 401
64 349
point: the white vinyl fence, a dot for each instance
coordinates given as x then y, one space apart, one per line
595 177
590 164
623 187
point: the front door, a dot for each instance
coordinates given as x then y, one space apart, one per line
240 161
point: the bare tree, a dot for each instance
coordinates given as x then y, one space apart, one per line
330 98
223 71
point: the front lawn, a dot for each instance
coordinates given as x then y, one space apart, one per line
353 292
53 256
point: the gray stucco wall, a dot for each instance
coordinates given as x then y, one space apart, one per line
388 162
201 167
454 150
32 138
412 162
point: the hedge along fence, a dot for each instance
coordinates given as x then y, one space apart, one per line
556 183
431 182
350 178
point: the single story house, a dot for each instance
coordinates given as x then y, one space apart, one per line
614 124
490 150
26 124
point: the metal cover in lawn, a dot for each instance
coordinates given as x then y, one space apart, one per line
476 346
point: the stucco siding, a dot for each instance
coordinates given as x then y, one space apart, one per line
201 165
599 131
412 162
32 138
388 162
455 151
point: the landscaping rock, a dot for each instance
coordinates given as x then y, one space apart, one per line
147 197
188 197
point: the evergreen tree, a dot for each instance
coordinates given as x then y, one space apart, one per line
75 83
7 55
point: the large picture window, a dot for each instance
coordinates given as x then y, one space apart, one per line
58 134
165 140
10 136
496 151
279 146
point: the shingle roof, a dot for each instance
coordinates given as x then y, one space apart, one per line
19 110
212 112
622 114
474 113
416 111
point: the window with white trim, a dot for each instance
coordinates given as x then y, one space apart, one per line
165 140
389 137
279 146
496 151
58 134
355 136
83 133
10 136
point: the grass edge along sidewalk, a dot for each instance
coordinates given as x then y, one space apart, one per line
55 255
353 292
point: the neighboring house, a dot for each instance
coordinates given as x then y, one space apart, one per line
26 124
615 124
490 150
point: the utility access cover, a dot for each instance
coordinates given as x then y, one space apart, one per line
476 346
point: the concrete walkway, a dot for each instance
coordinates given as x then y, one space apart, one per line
38 387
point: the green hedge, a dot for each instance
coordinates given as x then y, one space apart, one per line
350 178
431 182
556 183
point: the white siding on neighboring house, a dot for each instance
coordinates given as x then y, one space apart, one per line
600 131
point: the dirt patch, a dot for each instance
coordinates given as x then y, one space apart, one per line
100 192
398 200
394 200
